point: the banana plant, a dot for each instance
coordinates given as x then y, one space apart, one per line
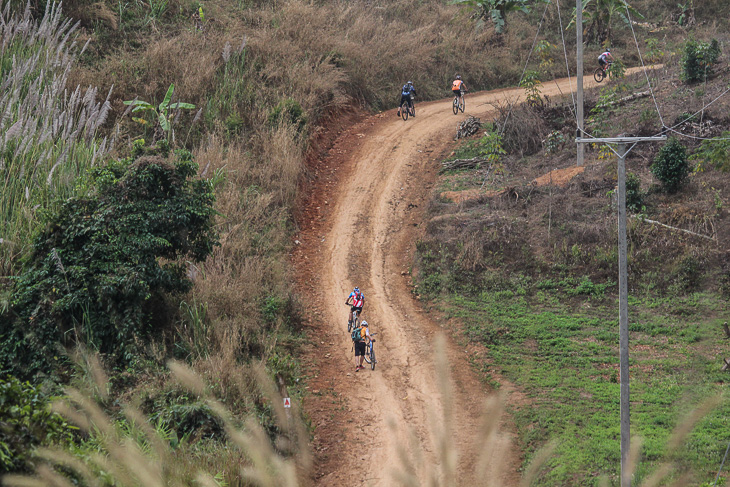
599 16
163 113
497 10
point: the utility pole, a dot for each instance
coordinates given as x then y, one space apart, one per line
623 299
579 74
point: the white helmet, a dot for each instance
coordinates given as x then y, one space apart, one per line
364 323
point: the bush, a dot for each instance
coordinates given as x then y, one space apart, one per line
100 269
699 59
634 196
290 111
671 166
27 422
716 152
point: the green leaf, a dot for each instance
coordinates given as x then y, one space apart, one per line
189 106
164 122
168 97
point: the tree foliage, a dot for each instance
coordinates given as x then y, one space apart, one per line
699 59
102 265
599 17
497 10
27 422
671 166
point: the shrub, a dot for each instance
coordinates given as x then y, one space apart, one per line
27 422
290 111
671 166
100 269
699 59
716 152
634 196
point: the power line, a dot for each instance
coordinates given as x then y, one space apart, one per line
721 465
641 58
567 66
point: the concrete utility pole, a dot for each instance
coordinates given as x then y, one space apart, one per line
623 289
579 74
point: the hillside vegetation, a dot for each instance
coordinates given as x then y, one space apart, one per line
523 266
227 97
232 91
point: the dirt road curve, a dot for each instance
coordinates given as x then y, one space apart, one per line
360 229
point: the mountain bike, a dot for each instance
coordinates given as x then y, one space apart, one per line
602 73
458 104
355 321
370 352
406 110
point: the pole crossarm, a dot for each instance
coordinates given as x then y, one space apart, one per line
619 140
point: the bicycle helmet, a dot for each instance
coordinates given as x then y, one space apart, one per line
364 323
410 83
357 290
458 77
608 49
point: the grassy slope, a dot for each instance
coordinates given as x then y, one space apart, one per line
549 323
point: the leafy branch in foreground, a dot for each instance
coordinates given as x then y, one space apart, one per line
101 267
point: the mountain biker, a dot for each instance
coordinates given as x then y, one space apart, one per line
407 93
458 87
361 345
605 58
358 299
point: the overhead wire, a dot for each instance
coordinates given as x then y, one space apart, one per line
643 66
522 76
567 66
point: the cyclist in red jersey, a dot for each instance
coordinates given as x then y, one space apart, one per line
356 299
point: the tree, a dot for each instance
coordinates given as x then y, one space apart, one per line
599 17
670 166
102 266
497 10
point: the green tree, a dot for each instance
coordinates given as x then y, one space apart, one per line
497 10
163 114
599 17
27 422
101 267
699 59
671 166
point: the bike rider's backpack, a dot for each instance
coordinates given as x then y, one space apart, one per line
357 334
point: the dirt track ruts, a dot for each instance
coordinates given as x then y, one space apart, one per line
360 229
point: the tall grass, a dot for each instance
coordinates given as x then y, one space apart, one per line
48 134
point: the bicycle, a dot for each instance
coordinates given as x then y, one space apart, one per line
407 109
602 72
355 321
370 353
458 104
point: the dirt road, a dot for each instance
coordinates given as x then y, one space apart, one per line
359 229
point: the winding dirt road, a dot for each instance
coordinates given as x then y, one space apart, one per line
359 229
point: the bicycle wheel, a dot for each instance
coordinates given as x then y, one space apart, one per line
372 358
598 75
455 106
462 104
404 111
413 111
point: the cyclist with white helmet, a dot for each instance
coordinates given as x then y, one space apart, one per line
359 342
355 300
458 87
605 58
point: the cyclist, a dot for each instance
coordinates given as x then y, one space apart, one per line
458 87
355 300
361 345
605 59
407 93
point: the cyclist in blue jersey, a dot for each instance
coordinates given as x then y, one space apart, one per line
355 300
407 93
